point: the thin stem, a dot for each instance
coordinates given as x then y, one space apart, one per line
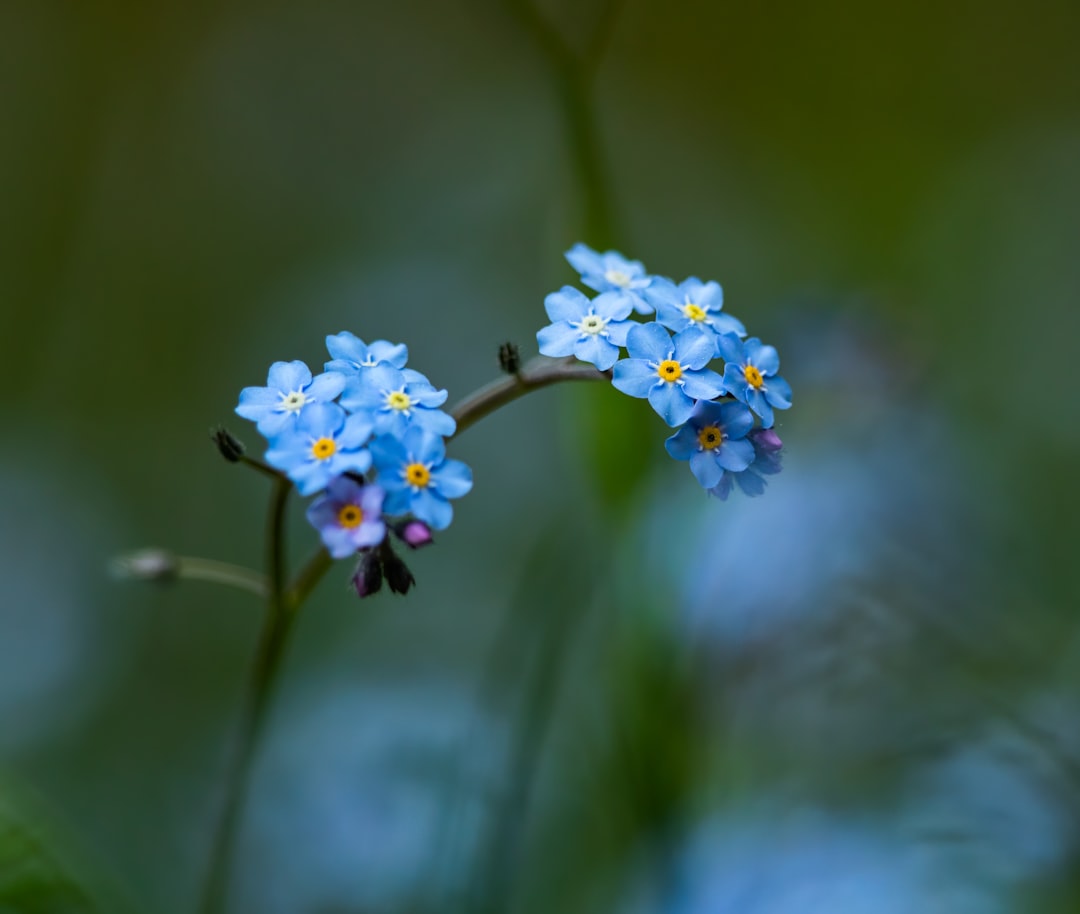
261 467
305 581
540 372
200 569
272 643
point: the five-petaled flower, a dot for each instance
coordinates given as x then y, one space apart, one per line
290 388
417 476
396 400
591 330
669 371
714 440
349 354
348 516
611 272
326 442
750 376
693 304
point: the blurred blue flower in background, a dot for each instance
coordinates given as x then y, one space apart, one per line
349 354
611 272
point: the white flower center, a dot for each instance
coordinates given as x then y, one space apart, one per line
618 278
591 324
369 362
291 402
399 400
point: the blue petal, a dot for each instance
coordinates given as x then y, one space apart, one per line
765 358
584 259
663 293
436 511
349 461
672 316
649 341
735 455
731 348
694 348
326 386
683 444
723 488
673 406
617 331
309 477
453 479
398 500
558 339
725 323
423 446
346 347
255 401
382 351
735 419
389 456
435 421
705 469
634 377
750 483
345 490
276 421
735 382
321 419
595 349
568 304
778 393
703 385
426 395
340 542
323 512
356 431
288 376
708 294
615 306
756 401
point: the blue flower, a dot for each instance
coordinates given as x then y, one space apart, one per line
714 440
670 372
324 443
349 354
611 272
591 330
348 517
767 445
397 399
750 376
290 389
418 478
693 304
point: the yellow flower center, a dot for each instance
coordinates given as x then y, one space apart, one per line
416 474
710 438
323 449
617 278
695 313
669 370
350 516
753 376
399 400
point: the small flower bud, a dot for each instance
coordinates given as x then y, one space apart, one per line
146 565
509 358
766 439
232 449
414 533
368 576
398 575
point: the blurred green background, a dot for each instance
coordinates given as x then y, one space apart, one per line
859 693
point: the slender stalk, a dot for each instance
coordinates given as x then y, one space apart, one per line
276 626
540 372
199 569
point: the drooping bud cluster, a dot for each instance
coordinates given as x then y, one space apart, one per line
367 434
668 360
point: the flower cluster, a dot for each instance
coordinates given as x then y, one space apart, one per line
667 362
368 434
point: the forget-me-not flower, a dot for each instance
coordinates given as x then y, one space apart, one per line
290 388
591 330
693 304
397 399
418 478
669 371
324 443
348 517
714 440
751 481
350 354
611 272
750 376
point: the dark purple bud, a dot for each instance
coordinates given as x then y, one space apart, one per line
398 575
231 448
766 439
414 534
368 576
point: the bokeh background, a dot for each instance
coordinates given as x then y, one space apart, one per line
858 693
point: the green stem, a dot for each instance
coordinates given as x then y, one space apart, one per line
199 569
540 372
276 626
